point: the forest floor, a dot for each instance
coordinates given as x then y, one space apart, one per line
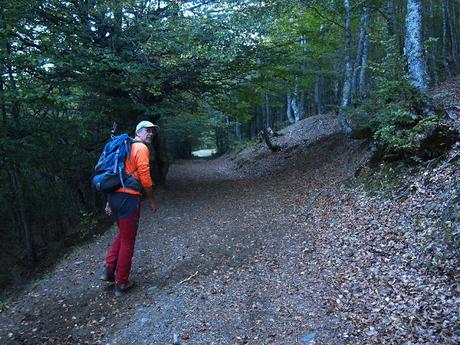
271 248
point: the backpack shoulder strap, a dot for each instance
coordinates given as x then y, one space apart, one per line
137 141
132 141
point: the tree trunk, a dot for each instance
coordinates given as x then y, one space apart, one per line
260 120
346 127
228 132
267 111
238 130
15 109
456 20
400 11
303 43
445 43
347 80
364 59
453 33
289 109
21 207
264 113
301 103
253 127
318 105
266 138
359 54
390 18
337 90
300 113
296 105
297 97
359 71
413 48
432 52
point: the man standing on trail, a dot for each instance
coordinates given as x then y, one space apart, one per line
124 205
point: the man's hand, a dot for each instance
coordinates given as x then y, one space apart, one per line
151 198
153 206
108 210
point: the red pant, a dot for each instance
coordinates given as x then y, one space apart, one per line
126 210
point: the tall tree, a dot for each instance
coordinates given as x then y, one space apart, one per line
346 89
358 85
414 46
390 18
296 99
445 35
365 55
432 49
290 118
318 94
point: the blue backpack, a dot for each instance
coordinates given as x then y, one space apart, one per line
110 172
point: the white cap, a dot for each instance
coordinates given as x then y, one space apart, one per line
146 124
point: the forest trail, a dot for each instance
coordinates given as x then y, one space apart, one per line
235 234
254 248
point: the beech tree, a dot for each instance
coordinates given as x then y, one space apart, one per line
347 80
414 46
358 84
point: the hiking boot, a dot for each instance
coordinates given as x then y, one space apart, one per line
120 289
107 275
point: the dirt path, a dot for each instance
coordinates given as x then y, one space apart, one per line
258 248
218 264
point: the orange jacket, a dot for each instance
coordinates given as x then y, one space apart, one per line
138 161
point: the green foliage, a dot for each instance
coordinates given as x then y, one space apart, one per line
397 126
383 179
399 129
88 224
395 114
186 132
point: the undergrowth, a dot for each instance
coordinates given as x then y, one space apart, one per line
389 180
402 120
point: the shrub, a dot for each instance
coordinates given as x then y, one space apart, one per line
399 118
88 223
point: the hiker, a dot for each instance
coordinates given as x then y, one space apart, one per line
124 205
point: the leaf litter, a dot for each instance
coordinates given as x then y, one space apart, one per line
262 248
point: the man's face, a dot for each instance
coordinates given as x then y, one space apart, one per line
146 134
